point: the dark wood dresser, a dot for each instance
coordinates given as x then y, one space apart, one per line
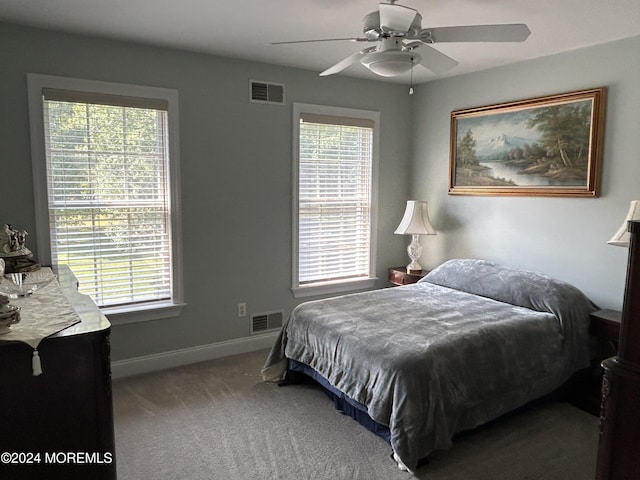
59 424
619 449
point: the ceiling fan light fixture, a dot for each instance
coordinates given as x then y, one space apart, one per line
390 63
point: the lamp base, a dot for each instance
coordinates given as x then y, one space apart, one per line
414 250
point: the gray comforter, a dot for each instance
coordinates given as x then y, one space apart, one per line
470 342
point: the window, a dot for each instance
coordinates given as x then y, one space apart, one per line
105 162
335 166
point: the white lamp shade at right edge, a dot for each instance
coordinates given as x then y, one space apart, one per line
622 237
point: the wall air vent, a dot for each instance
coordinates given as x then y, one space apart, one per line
266 92
262 322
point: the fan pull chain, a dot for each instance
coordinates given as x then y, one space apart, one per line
411 78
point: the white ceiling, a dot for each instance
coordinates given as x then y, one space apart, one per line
243 28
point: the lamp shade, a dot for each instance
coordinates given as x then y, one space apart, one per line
415 220
622 237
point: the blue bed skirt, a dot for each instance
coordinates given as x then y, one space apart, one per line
342 402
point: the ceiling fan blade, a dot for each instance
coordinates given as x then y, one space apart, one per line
347 62
350 39
396 18
436 61
512 32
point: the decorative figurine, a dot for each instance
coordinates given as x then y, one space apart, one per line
17 257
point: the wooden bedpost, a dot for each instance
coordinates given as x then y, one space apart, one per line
619 449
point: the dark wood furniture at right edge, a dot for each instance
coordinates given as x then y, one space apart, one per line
619 450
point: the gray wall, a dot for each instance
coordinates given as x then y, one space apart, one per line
563 237
235 169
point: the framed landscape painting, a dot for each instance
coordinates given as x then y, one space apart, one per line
548 146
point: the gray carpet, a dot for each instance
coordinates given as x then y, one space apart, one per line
218 420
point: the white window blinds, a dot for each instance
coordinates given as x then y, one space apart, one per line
108 194
334 198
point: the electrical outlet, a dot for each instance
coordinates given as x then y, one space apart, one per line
242 310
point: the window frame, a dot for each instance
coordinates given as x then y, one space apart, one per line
343 285
35 85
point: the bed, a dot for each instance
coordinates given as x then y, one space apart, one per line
468 343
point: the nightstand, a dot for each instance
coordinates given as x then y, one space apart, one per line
585 389
605 325
400 276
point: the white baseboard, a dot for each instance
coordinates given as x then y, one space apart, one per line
185 356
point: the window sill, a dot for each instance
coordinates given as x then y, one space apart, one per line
333 287
142 313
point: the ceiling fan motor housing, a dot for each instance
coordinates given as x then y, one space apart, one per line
372 29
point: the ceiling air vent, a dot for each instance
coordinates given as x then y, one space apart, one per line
262 322
266 92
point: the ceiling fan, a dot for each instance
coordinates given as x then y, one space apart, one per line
398 31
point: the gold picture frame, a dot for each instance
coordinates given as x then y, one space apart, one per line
544 146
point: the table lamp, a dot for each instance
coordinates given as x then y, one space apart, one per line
415 222
622 237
